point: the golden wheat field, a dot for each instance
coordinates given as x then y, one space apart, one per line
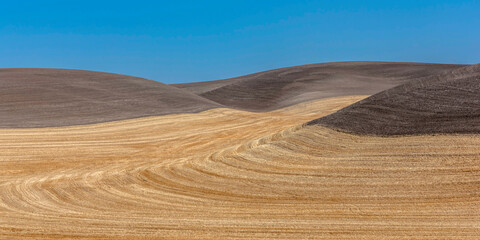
230 174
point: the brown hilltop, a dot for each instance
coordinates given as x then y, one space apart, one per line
445 103
59 97
287 86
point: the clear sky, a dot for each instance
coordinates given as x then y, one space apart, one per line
185 41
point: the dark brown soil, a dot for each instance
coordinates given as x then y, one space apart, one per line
445 103
54 97
287 86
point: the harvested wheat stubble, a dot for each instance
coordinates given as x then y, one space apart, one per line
101 181
445 103
287 86
228 174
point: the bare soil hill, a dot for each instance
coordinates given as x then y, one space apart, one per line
445 103
287 86
57 97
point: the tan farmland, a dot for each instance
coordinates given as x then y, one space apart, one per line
230 174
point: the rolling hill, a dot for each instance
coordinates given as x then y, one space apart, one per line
444 103
58 97
32 98
287 86
119 157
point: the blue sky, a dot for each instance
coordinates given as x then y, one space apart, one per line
186 41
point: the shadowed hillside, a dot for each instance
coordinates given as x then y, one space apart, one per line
57 97
445 103
287 86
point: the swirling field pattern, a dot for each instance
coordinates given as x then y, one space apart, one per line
230 174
